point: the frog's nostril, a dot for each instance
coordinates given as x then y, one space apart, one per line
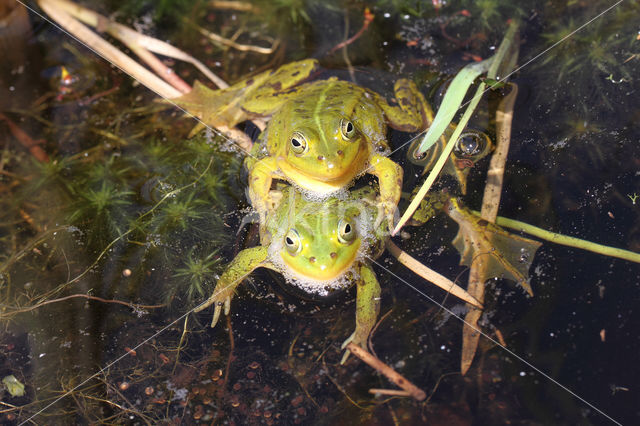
333 254
312 259
321 157
340 152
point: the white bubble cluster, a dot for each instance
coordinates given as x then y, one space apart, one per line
361 214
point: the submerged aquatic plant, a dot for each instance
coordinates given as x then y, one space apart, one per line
196 277
607 45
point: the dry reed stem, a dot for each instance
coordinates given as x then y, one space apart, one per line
240 6
218 39
107 50
138 42
415 392
489 212
430 275
392 392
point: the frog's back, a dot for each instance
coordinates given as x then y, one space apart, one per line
327 96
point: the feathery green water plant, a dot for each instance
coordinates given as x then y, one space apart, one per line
196 277
178 213
46 175
102 212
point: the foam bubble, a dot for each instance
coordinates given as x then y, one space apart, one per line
312 196
361 213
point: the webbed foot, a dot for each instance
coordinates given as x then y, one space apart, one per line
241 266
220 298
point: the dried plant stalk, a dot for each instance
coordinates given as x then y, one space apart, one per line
415 392
489 212
107 50
430 275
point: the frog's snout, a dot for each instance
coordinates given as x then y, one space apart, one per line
330 163
325 262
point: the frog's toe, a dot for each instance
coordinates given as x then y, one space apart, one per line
345 357
218 309
391 221
344 345
262 209
389 210
210 301
349 340
216 315
227 305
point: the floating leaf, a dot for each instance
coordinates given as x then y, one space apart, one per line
504 255
452 102
13 385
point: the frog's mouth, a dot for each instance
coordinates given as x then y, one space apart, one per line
319 274
325 182
319 271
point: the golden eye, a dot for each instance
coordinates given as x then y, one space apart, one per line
348 129
346 232
292 242
469 144
299 144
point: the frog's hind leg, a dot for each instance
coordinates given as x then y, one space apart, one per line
239 268
277 86
367 309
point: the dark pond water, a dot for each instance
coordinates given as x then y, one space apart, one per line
114 225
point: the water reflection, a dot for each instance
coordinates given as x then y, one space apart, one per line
115 154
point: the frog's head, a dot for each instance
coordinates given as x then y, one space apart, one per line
326 147
322 242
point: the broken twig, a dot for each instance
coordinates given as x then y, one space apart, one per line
413 391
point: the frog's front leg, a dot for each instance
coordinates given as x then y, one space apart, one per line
389 176
260 178
367 309
239 268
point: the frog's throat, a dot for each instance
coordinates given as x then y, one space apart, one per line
318 274
318 183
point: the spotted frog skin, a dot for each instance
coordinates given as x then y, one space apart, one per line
321 135
321 246
318 246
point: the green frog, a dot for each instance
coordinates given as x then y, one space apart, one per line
471 147
320 136
319 246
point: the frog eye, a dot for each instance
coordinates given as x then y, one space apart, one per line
348 129
346 232
292 242
469 144
299 143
